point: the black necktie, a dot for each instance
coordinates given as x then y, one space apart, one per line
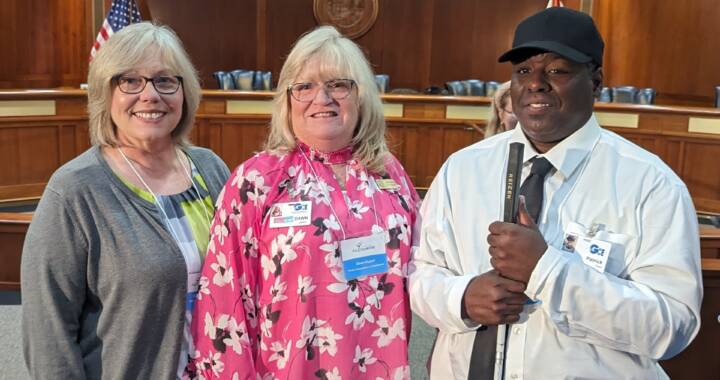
482 360
532 188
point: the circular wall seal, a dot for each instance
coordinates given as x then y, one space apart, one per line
353 18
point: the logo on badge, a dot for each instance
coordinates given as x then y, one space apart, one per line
596 250
299 206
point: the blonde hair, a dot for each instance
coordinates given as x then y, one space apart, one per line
127 50
339 58
499 100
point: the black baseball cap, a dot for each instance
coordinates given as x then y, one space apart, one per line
566 32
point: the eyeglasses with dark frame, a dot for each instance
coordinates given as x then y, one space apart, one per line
135 84
337 89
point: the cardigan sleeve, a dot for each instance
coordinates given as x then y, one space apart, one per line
53 280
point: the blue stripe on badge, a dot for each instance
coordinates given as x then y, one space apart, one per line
366 265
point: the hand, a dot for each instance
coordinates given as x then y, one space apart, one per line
515 249
493 300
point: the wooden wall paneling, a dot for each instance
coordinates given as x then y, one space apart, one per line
664 122
695 362
10 156
39 153
33 150
469 36
674 154
12 236
82 137
395 137
220 35
399 43
430 157
8 41
287 21
240 141
66 143
424 111
261 29
659 44
44 43
424 152
195 134
649 142
405 142
207 134
700 171
456 138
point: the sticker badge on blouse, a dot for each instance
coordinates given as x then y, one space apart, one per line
593 252
290 214
364 256
387 184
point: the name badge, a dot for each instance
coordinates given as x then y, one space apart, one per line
593 252
387 184
364 256
290 214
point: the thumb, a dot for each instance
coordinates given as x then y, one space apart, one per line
524 217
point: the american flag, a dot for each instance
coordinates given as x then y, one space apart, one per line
122 13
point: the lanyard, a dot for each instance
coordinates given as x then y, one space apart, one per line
332 209
157 201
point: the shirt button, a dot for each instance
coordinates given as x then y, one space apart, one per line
514 376
516 331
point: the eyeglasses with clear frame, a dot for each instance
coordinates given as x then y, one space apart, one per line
337 89
135 84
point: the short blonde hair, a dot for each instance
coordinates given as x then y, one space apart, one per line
339 57
126 50
500 99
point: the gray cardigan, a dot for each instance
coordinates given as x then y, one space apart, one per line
103 283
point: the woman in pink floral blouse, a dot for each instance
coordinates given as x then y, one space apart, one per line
305 276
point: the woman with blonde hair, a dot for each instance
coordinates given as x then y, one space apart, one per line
112 257
502 118
306 269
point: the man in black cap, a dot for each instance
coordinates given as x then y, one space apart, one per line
600 277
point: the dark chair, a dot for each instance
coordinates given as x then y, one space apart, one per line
474 87
267 80
455 88
605 95
646 96
224 80
243 79
435 90
383 82
624 94
491 87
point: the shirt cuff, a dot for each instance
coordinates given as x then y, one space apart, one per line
549 260
455 300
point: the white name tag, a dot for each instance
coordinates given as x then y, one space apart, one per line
364 256
593 252
290 214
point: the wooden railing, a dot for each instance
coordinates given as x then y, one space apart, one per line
422 132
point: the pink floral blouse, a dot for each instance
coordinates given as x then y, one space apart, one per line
274 302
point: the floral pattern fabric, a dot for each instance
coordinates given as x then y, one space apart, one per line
274 302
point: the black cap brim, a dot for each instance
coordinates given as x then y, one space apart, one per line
519 53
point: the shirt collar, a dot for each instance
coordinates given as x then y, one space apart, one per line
569 153
339 156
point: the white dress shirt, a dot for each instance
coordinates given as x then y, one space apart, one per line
587 324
